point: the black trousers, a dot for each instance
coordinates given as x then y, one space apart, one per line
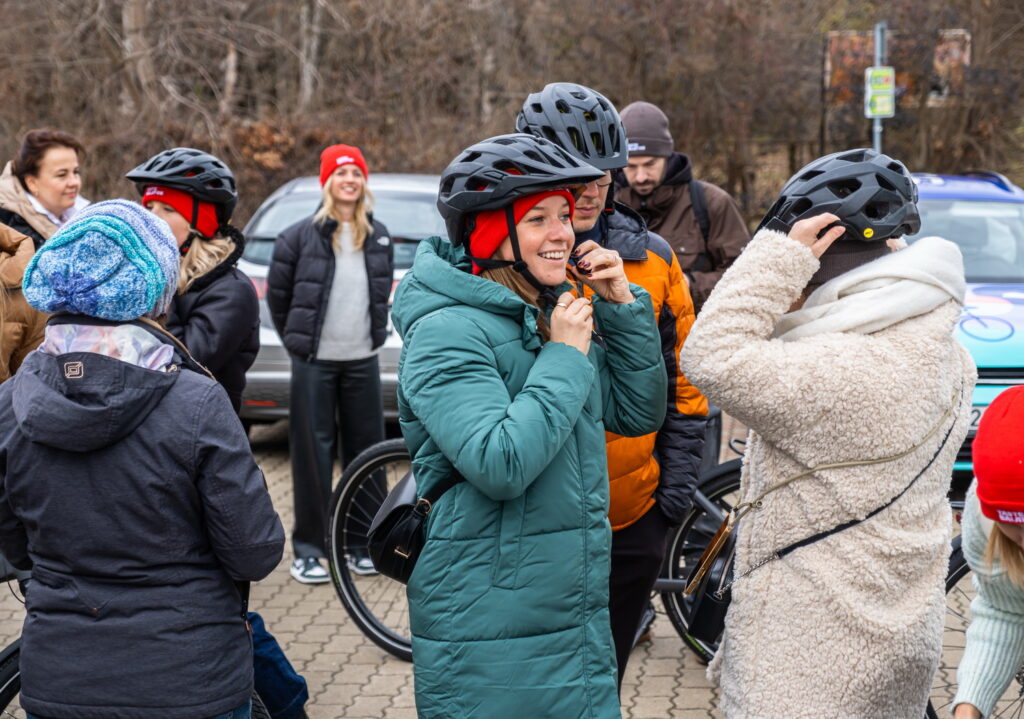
335 411
637 553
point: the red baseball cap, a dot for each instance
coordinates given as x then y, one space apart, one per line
998 455
337 155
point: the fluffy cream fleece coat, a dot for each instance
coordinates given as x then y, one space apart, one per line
850 626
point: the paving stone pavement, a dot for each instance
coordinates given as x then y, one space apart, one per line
350 677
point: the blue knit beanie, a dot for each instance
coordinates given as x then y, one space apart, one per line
113 260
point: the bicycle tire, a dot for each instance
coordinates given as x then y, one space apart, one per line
10 674
719 486
376 604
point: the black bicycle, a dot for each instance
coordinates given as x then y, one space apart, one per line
378 605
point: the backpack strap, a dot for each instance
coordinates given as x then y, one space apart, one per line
700 213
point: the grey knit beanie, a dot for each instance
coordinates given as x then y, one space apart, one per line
647 130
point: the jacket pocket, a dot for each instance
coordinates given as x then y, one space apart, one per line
510 534
64 594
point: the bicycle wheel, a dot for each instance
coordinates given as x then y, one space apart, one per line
10 680
721 488
959 593
376 604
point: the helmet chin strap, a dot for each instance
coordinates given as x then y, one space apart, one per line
547 294
193 235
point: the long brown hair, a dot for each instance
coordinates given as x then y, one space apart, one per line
1009 554
508 277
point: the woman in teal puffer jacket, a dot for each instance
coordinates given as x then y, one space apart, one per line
500 379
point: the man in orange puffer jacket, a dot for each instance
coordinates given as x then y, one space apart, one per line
652 477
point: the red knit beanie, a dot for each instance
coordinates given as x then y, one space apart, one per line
491 227
998 452
206 219
337 155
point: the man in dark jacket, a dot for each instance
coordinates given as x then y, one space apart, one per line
652 478
128 486
699 220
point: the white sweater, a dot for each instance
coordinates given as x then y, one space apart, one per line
850 626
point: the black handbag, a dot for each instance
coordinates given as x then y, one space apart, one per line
397 535
711 590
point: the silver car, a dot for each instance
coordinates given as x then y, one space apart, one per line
406 204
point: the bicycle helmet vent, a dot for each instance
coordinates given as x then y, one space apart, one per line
579 120
872 194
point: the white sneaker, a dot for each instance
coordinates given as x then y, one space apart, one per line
309 571
363 566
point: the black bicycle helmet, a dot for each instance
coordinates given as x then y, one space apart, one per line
872 194
491 175
198 173
494 172
579 120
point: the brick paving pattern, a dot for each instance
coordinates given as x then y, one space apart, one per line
350 677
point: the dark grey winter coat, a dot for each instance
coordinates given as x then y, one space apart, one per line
134 497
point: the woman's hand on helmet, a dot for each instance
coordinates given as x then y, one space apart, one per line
604 272
806 232
572 322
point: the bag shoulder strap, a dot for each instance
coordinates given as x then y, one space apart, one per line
854 522
700 209
443 486
744 507
191 362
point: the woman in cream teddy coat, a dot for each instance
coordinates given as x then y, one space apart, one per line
850 626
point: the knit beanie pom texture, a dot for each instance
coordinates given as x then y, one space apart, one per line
114 260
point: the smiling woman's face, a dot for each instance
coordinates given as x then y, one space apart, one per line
545 240
57 182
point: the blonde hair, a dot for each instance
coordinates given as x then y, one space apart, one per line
1009 554
202 256
508 277
361 227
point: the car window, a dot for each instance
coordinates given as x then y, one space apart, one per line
990 235
409 217
283 213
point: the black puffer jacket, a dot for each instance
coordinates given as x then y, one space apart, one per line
134 496
299 283
218 319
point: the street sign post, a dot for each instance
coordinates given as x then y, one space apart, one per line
879 87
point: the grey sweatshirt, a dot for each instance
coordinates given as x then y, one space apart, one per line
346 331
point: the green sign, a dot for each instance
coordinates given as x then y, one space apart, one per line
879 92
